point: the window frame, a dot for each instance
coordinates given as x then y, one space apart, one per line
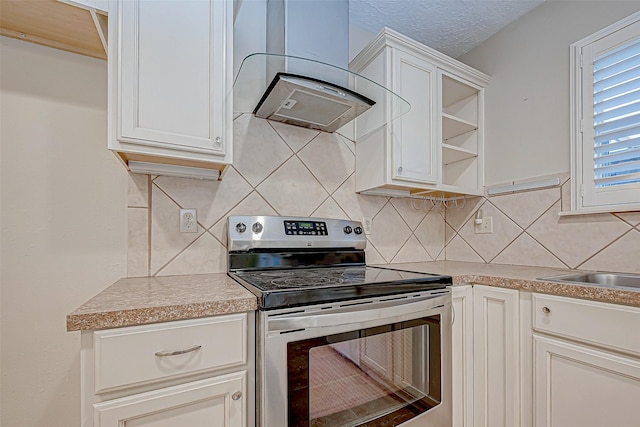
579 146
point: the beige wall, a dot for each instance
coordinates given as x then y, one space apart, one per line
527 136
63 224
527 102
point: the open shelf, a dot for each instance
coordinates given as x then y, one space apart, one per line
452 154
461 141
454 91
454 126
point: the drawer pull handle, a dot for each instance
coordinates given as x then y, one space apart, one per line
177 352
546 310
237 395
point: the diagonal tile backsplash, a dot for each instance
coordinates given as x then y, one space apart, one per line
278 170
286 170
529 231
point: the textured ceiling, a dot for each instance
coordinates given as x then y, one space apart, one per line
453 27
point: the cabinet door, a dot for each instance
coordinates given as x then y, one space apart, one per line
578 386
462 356
496 357
414 151
172 74
215 402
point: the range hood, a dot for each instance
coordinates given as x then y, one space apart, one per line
308 102
303 78
264 86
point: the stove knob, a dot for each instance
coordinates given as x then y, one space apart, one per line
257 227
240 227
357 230
347 229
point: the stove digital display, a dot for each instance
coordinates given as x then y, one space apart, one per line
305 228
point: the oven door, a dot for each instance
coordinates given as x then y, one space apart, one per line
379 361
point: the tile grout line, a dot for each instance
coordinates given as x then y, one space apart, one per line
285 141
527 228
181 250
180 253
408 238
604 247
539 242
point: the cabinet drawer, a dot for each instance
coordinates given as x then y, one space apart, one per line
607 325
143 354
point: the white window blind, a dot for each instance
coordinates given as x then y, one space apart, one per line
606 106
617 116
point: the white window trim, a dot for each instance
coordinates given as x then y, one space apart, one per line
575 92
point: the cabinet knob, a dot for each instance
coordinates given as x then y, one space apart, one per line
546 310
237 395
400 170
218 140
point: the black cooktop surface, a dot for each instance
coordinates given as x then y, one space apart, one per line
305 286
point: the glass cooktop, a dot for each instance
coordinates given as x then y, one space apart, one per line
304 286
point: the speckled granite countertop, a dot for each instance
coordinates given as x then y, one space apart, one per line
137 301
143 300
522 278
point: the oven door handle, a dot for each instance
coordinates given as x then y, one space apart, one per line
355 314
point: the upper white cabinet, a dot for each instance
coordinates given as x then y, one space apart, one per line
170 81
438 145
461 118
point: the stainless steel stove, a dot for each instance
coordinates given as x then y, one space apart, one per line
289 262
328 325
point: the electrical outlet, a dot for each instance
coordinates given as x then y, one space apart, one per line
366 224
485 226
188 221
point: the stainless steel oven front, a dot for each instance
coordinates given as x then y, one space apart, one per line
382 361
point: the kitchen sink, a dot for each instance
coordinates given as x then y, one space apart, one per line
622 280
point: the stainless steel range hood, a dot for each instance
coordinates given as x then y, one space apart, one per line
303 79
312 103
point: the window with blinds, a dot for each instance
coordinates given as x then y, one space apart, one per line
606 105
616 119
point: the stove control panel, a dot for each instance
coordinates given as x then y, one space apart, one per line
305 228
271 232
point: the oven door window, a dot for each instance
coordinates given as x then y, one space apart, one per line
378 376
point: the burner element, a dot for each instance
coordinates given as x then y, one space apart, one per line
304 286
315 282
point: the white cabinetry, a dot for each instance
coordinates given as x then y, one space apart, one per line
461 134
543 360
167 374
496 357
212 402
462 354
437 145
170 80
587 368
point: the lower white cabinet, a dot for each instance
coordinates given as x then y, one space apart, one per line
196 373
496 357
486 368
213 402
576 385
462 354
586 363
543 360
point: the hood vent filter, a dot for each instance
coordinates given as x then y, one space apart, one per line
311 103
